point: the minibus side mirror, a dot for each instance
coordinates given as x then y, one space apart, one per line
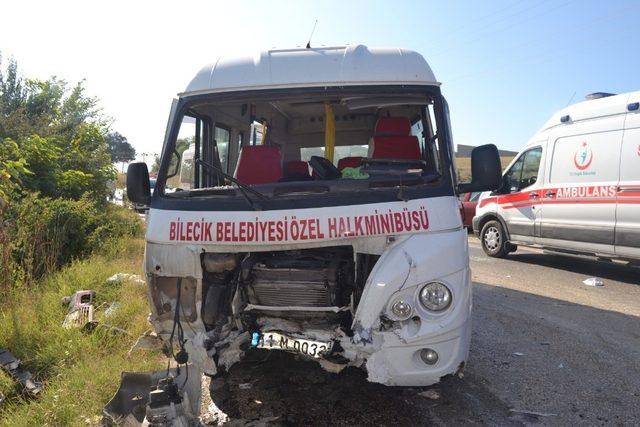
486 170
138 187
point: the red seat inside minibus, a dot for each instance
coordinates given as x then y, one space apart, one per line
259 164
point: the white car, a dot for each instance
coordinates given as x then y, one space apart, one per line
574 187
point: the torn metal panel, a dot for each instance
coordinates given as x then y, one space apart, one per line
234 352
197 346
173 260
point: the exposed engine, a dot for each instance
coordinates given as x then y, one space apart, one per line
280 284
306 278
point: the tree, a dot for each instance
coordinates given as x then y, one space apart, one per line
54 140
182 144
119 148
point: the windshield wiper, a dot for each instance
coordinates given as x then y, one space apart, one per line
244 188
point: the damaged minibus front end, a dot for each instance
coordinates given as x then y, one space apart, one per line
359 301
316 218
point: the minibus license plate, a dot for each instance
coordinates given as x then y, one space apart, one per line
278 341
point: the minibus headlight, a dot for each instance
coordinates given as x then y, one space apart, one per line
435 296
401 309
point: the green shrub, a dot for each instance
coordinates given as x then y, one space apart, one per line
45 234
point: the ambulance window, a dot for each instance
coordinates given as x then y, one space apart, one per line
222 136
524 171
530 167
512 178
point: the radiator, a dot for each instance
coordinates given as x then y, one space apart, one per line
309 287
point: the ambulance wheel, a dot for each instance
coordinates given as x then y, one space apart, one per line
493 240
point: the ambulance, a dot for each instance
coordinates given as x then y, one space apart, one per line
575 187
315 212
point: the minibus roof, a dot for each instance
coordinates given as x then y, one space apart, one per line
313 67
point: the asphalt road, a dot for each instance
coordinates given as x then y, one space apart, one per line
546 349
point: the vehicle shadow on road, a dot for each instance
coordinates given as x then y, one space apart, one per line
281 389
580 265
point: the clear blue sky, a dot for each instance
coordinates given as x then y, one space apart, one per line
506 66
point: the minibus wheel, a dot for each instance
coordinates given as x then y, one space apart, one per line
494 241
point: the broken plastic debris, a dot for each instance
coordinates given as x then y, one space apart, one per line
81 309
112 309
430 394
593 281
14 368
89 327
517 353
537 414
121 277
133 401
147 341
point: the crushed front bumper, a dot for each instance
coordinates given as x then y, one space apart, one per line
399 364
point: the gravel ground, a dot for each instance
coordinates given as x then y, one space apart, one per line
546 349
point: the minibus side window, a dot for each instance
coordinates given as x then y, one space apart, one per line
222 136
182 162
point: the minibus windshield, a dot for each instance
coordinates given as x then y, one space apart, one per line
302 144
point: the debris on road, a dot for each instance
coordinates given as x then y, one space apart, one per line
430 394
13 367
593 281
534 413
244 386
517 353
121 277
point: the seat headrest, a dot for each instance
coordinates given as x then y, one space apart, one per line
396 147
349 162
393 126
296 167
259 164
